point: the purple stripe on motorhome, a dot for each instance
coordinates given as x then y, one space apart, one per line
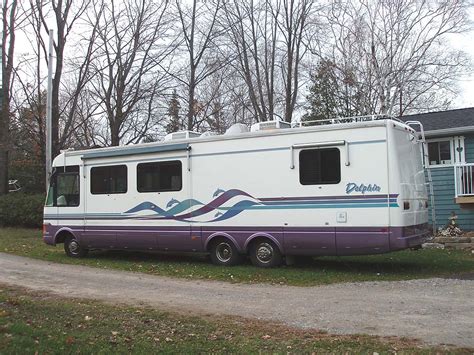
343 197
290 240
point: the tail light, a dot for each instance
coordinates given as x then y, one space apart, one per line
45 228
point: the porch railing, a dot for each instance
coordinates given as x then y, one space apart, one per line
464 179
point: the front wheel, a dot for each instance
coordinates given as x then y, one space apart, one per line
73 248
265 253
224 253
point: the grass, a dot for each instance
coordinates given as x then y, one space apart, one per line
404 265
41 323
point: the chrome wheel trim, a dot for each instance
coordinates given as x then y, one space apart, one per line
74 247
224 252
264 253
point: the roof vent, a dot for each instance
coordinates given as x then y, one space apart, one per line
207 134
236 128
269 125
181 135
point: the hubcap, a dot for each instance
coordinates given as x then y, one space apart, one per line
74 246
264 253
224 252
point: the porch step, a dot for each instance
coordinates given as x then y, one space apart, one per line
457 243
459 246
453 240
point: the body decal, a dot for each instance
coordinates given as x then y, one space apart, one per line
228 204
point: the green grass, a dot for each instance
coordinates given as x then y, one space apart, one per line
34 323
402 265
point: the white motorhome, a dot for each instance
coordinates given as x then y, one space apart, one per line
347 188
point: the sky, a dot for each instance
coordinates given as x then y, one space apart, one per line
465 42
466 84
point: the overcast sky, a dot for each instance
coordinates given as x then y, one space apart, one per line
466 84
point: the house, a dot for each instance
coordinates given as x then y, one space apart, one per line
450 142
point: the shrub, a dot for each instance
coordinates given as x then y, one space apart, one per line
20 209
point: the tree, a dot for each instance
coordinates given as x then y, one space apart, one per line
292 24
175 123
66 14
131 51
200 32
253 35
12 19
397 51
333 93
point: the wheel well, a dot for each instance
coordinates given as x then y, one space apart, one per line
61 237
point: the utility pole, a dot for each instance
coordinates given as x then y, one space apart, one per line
49 111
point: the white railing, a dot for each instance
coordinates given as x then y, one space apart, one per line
342 120
464 179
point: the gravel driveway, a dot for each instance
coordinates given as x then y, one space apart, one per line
436 311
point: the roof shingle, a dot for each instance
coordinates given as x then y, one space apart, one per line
432 121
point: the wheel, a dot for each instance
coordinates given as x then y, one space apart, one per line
264 253
224 252
73 248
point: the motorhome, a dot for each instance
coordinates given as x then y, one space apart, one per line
350 187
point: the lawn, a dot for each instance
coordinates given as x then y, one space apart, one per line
404 265
31 322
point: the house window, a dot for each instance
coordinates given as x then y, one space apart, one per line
446 151
320 166
439 152
159 177
109 180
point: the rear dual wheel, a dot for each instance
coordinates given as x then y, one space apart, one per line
224 253
265 253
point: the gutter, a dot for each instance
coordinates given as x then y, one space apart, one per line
450 131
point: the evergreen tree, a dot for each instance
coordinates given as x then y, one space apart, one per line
174 107
334 93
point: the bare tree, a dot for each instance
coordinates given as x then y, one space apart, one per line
132 49
397 51
253 35
292 24
66 13
12 18
200 31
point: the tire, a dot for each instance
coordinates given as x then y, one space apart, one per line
73 249
265 253
224 253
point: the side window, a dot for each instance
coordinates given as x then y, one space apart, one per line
320 166
109 180
67 186
159 177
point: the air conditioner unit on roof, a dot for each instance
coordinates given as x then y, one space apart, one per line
181 135
269 125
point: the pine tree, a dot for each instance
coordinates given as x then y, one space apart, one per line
174 107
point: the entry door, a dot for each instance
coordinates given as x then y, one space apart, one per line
106 187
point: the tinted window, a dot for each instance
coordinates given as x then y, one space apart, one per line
109 179
320 166
157 177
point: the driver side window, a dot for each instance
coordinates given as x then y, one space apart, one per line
67 186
